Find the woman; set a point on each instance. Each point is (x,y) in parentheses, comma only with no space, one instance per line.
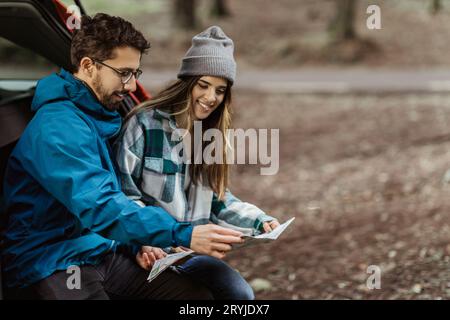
(158,155)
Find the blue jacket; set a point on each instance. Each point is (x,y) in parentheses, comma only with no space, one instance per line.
(63,199)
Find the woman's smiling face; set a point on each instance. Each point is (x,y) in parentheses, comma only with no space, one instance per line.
(207,94)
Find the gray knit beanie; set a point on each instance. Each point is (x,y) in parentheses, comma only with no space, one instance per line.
(211,54)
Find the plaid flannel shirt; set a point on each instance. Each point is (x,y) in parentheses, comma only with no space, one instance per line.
(151,173)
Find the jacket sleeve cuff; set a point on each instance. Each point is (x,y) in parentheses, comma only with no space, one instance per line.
(182,234)
(130,250)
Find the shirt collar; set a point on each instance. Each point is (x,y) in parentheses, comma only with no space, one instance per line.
(160,115)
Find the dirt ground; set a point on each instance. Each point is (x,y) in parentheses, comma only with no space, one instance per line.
(364,175)
(366,178)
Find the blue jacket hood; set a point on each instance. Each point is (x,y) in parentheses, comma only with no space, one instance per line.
(64,86)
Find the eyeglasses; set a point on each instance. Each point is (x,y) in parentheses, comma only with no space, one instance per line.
(125,76)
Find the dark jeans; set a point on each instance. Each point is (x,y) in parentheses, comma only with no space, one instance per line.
(224,282)
(117,277)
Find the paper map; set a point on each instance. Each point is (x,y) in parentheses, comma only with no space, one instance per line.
(162,264)
(264,237)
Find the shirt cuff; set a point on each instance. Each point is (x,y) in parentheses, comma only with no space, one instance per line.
(260,221)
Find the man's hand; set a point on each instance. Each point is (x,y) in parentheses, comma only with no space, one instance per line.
(148,255)
(180,249)
(214,240)
(270,225)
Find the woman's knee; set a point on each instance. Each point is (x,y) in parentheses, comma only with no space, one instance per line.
(224,282)
(229,281)
(240,289)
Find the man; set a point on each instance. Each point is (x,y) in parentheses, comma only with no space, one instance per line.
(63,198)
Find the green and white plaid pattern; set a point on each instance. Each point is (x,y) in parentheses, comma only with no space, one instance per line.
(152,173)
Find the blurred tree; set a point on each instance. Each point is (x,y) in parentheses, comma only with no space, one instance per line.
(436,6)
(184,14)
(342,27)
(219,8)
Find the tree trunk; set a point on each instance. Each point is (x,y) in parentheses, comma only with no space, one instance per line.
(436,6)
(184,14)
(220,9)
(343,25)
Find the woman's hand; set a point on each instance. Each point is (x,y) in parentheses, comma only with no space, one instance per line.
(148,255)
(270,225)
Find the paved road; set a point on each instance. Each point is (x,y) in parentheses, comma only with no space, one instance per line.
(327,81)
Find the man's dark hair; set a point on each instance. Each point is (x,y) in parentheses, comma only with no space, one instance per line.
(100,35)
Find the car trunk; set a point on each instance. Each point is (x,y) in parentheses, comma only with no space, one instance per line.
(40,27)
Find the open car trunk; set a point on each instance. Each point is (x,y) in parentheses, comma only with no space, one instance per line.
(39,26)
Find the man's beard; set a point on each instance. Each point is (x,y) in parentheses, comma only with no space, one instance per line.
(105,98)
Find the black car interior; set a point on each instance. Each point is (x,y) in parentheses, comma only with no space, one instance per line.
(35,25)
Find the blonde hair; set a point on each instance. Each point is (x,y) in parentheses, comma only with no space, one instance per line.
(176,99)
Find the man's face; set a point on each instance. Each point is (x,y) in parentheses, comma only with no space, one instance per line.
(107,83)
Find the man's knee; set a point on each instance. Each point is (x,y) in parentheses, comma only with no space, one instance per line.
(200,292)
(171,285)
(193,290)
